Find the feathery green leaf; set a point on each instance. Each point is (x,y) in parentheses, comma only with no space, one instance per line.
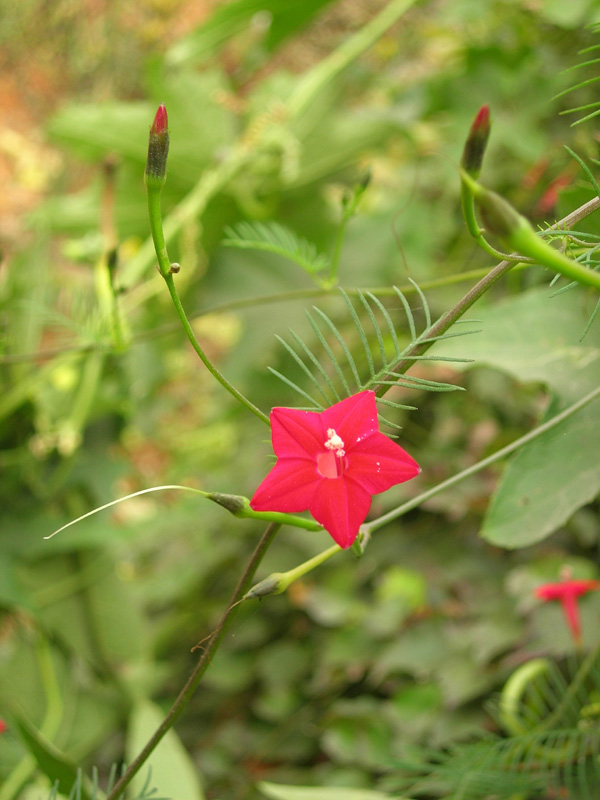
(273,237)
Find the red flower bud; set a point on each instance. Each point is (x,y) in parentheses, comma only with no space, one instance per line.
(158,148)
(475,145)
(161,121)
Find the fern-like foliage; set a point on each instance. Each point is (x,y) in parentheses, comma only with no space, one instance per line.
(555,751)
(584,246)
(563,762)
(591,109)
(85,788)
(275,238)
(361,355)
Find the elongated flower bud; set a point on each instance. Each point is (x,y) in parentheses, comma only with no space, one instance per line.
(475,145)
(158,149)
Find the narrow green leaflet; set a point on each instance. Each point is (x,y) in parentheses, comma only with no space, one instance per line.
(277,791)
(537,339)
(276,238)
(173,772)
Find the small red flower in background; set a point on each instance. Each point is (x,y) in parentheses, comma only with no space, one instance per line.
(3,726)
(331,463)
(567,592)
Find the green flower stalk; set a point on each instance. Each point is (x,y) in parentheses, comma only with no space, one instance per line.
(154,178)
(278,582)
(239,506)
(517,232)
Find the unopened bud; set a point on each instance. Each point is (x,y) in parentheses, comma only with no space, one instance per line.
(475,145)
(158,148)
(274,584)
(234,503)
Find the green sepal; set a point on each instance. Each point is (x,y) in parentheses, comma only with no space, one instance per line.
(239,506)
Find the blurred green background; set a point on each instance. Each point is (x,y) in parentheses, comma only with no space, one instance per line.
(362,662)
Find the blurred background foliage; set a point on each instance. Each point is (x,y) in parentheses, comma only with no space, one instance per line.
(361,663)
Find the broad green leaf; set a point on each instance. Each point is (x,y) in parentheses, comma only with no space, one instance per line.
(547,482)
(11,593)
(82,599)
(537,338)
(198,124)
(54,764)
(173,772)
(93,130)
(281,792)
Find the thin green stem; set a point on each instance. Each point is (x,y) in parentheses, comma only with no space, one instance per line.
(428,338)
(204,358)
(115,315)
(190,208)
(166,271)
(307,566)
(236,504)
(204,661)
(369,527)
(468,208)
(278,582)
(527,242)
(517,231)
(337,249)
(252,302)
(331,66)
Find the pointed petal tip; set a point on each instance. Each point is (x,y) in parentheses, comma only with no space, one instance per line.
(161,120)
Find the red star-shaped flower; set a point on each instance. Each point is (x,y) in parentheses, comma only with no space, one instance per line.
(331,463)
(567,593)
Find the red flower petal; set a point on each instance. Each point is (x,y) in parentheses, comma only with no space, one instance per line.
(568,588)
(353,418)
(340,505)
(290,486)
(161,122)
(378,463)
(296,434)
(302,480)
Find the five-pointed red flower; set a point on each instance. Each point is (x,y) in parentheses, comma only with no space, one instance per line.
(331,463)
(567,592)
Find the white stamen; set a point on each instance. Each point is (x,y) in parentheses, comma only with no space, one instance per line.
(334,442)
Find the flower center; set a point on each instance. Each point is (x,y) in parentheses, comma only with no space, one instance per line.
(332,463)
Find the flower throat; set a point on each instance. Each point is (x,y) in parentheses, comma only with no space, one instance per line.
(332,463)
